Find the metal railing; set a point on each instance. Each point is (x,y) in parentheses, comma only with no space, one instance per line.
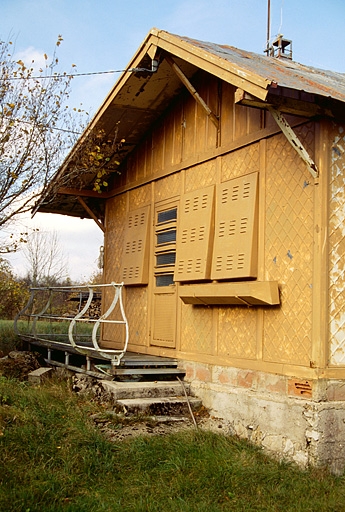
(47,319)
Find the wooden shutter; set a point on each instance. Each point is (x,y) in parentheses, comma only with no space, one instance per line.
(195,236)
(235,241)
(135,259)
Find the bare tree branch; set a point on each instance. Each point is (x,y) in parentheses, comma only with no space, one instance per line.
(47,264)
(36,130)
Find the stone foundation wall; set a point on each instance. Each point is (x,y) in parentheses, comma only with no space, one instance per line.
(299,420)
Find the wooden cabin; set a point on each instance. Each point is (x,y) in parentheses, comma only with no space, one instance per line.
(220,191)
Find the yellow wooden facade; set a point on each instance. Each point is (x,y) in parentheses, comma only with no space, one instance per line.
(230,245)
(298,237)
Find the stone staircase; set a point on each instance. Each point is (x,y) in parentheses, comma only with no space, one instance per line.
(152,386)
(154,398)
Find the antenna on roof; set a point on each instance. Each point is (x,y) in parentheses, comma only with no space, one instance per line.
(280,47)
(267,51)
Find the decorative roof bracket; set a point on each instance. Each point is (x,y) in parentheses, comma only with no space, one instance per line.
(178,71)
(294,140)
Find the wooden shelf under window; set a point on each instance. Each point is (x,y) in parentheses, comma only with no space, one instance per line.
(248,293)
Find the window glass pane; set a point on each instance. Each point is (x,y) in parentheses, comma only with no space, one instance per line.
(167,216)
(166,237)
(165,280)
(166,259)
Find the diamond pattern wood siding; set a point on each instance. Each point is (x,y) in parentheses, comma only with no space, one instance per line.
(235,241)
(200,176)
(135,263)
(337,248)
(137,314)
(238,163)
(113,242)
(116,214)
(289,250)
(237,332)
(197,333)
(167,188)
(195,236)
(139,197)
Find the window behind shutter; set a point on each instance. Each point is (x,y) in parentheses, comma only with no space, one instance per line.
(135,257)
(195,236)
(235,241)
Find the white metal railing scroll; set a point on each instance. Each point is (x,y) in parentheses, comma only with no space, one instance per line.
(44,300)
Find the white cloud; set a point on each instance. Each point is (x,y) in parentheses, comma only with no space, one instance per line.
(32,58)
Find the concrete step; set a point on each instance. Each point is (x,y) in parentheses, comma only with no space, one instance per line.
(171,406)
(130,390)
(132,360)
(118,371)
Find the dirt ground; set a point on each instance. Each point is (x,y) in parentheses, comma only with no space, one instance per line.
(154,425)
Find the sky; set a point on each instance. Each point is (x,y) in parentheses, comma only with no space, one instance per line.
(103,35)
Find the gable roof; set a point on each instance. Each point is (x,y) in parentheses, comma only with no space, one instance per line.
(140,96)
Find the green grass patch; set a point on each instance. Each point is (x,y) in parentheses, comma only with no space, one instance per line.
(8,339)
(53,458)
(56,330)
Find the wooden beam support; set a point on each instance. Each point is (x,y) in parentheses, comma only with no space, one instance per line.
(178,71)
(90,212)
(283,104)
(67,191)
(244,98)
(294,141)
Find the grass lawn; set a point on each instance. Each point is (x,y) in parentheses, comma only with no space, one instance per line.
(54,458)
(8,339)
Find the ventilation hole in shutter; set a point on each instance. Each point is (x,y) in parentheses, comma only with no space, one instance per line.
(180,268)
(235,192)
(219,263)
(202,232)
(243,226)
(246,190)
(240,261)
(198,265)
(224,196)
(230,262)
(184,236)
(232,227)
(221,229)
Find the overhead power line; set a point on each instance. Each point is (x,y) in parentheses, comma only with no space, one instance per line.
(41,125)
(72,75)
